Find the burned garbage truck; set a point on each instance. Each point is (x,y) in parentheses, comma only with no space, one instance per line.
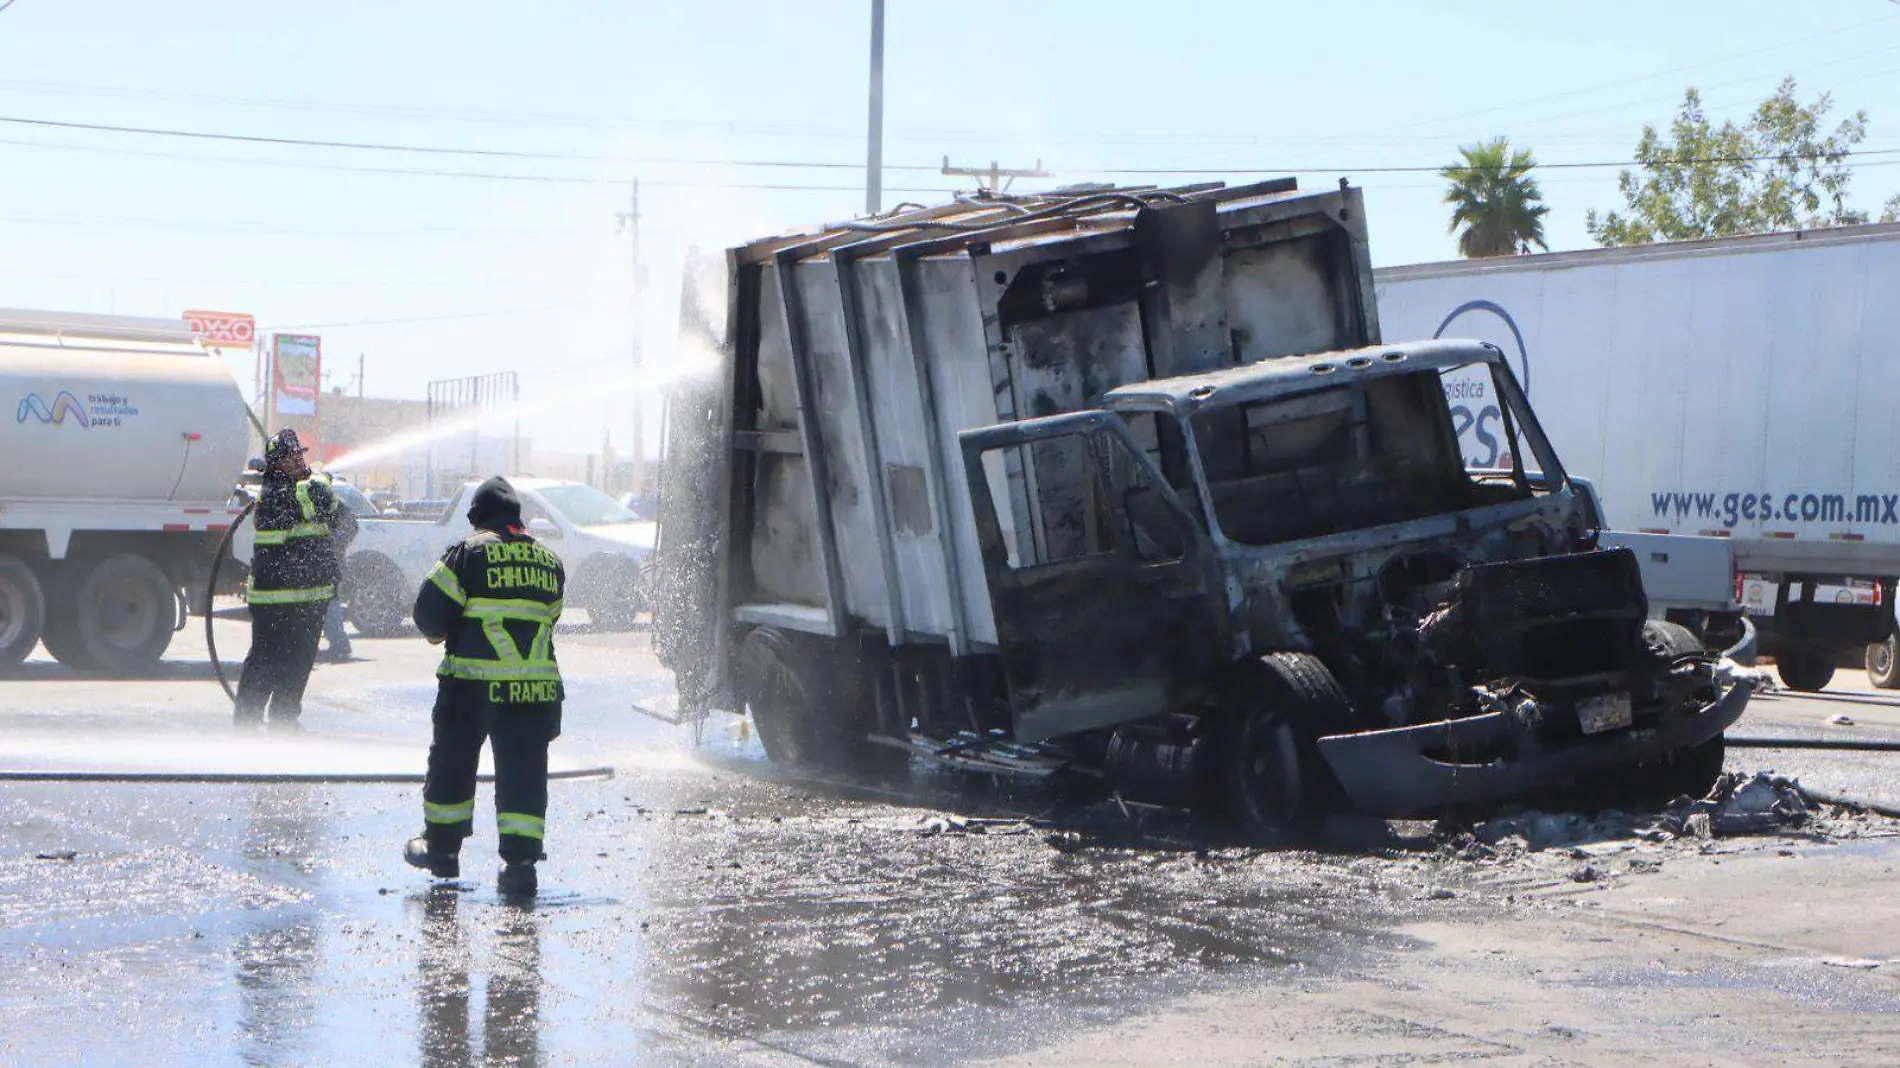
(1123,484)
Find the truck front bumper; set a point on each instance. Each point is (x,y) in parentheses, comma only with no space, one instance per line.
(1388,773)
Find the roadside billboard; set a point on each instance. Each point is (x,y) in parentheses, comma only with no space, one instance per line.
(296,366)
(223,330)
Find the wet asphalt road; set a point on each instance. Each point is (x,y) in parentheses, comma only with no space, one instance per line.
(697,908)
(700,907)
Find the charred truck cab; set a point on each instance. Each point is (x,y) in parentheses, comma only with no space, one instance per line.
(1124,484)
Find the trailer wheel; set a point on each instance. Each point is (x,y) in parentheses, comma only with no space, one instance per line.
(375,596)
(22,611)
(1807,670)
(810,708)
(1274,783)
(1883,663)
(122,615)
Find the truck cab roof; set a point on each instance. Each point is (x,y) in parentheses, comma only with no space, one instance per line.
(1295,374)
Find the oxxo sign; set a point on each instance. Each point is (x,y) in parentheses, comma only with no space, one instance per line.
(223,328)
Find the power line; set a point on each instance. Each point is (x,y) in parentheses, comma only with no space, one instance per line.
(554,179)
(380,283)
(1152,171)
(1659,74)
(538,309)
(7,4)
(246,227)
(1436,167)
(437,150)
(1651,99)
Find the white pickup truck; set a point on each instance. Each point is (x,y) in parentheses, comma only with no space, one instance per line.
(1689,579)
(601,543)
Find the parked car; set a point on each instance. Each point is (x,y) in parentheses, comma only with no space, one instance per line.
(601,543)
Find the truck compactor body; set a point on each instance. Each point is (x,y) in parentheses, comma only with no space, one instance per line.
(1123,485)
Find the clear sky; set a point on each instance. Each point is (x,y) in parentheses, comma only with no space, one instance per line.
(533,276)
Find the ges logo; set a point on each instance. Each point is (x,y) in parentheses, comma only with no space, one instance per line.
(56,413)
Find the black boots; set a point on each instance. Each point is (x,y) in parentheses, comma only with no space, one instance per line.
(517,879)
(441,865)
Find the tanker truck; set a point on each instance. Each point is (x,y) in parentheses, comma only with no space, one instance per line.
(1123,486)
(121,440)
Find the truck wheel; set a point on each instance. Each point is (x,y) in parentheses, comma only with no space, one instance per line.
(1274,783)
(1690,773)
(614,596)
(1807,670)
(1667,641)
(123,615)
(1883,663)
(60,633)
(375,597)
(809,709)
(22,611)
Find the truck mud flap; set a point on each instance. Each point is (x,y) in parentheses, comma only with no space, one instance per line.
(1393,774)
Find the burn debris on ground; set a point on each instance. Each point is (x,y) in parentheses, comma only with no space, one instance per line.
(1759,680)
(1738,804)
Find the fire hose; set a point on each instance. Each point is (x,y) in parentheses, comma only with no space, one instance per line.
(211,591)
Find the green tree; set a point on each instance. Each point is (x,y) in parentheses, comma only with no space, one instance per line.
(1890,211)
(1496,208)
(1777,171)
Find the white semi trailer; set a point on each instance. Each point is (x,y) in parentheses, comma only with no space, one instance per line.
(1741,388)
(121,440)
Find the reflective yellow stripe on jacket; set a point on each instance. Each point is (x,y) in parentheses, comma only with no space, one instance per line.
(301,530)
(464,667)
(303,596)
(444,578)
(304,504)
(509,665)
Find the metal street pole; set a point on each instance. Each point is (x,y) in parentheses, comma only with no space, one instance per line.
(630,223)
(874,165)
(994,173)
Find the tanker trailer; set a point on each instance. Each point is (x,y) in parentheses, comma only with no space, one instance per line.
(122,439)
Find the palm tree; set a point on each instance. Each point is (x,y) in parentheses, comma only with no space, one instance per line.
(1496,208)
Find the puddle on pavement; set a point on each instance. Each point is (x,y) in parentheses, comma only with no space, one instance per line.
(706,904)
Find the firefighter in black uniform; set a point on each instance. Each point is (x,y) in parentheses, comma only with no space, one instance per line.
(294,571)
(493,600)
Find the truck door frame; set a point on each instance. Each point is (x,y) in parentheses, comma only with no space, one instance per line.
(1104,637)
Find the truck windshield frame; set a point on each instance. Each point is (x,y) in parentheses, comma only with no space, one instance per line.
(1354,454)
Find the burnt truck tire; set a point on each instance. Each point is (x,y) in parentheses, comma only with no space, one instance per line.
(1274,784)
(809,704)
(1806,670)
(22,611)
(1667,641)
(375,597)
(121,617)
(1883,663)
(1690,772)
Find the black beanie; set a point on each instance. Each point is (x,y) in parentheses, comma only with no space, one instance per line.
(494,504)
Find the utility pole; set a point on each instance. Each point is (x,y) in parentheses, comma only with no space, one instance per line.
(874,163)
(630,225)
(994,173)
(359,376)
